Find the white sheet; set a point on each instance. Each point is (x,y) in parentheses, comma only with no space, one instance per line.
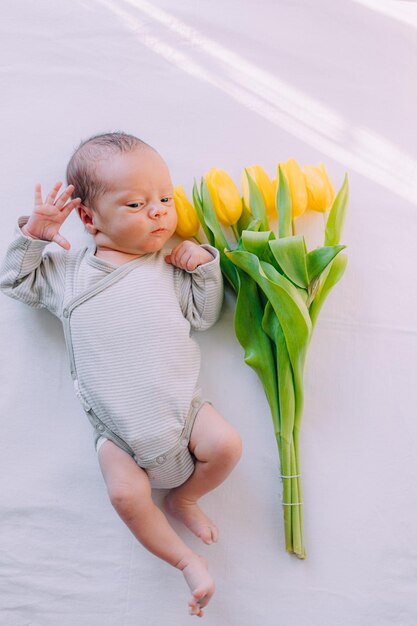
(229,85)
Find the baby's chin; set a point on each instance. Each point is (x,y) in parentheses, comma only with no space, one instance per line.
(154,245)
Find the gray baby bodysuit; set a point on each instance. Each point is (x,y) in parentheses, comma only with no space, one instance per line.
(134,365)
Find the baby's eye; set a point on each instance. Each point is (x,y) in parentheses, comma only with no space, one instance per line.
(167,199)
(134,205)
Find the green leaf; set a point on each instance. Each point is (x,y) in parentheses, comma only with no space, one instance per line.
(256,202)
(257,243)
(198,205)
(272,327)
(335,273)
(258,348)
(284,206)
(335,221)
(254,225)
(318,259)
(288,305)
(245,219)
(290,254)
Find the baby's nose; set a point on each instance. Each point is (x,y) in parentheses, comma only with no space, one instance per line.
(157,209)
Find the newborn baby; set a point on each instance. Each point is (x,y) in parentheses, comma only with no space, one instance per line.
(127,304)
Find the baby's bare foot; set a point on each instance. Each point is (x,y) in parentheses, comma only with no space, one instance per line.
(190,514)
(199,581)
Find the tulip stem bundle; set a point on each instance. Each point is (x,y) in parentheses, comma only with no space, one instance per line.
(280,289)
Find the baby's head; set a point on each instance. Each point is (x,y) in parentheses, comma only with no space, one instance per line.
(127,200)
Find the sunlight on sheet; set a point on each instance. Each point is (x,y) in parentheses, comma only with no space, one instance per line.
(404,11)
(357,148)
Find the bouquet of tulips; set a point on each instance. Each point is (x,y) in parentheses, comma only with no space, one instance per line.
(280,287)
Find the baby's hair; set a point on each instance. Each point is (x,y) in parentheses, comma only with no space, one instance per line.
(82,167)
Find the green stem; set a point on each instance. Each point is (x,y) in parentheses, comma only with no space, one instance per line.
(297,530)
(297,462)
(197,239)
(235,232)
(285,451)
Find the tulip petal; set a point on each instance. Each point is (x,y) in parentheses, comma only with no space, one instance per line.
(220,240)
(188,223)
(335,221)
(225,196)
(327,181)
(319,188)
(298,189)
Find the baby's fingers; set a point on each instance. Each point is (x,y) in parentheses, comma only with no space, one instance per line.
(61,241)
(66,210)
(50,198)
(38,195)
(187,260)
(178,251)
(64,197)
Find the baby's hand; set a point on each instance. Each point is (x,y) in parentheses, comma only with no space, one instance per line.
(48,216)
(188,255)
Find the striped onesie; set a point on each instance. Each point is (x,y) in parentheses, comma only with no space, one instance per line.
(134,364)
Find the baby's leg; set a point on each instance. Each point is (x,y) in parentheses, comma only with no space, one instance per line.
(130,492)
(217,447)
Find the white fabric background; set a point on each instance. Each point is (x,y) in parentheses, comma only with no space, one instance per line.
(226,84)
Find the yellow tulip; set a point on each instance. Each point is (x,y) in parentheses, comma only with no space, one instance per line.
(188,224)
(297,186)
(275,187)
(319,188)
(265,186)
(225,195)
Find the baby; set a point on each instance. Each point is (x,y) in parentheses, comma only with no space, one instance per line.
(127,303)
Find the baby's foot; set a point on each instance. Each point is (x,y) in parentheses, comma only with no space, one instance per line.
(190,514)
(199,581)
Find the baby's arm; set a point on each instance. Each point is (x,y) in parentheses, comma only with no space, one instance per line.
(28,275)
(200,291)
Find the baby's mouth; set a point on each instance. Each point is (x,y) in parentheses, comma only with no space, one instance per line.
(159,230)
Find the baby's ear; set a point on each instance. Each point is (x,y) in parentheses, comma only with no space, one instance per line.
(86,216)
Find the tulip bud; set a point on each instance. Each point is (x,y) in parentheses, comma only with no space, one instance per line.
(297,186)
(319,188)
(225,196)
(188,224)
(265,186)
(275,187)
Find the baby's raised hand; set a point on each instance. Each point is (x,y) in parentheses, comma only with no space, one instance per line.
(48,216)
(188,255)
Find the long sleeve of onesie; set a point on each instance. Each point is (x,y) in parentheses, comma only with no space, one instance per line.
(133,361)
(201,291)
(28,275)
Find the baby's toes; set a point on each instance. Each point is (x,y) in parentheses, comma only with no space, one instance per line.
(209,534)
(201,598)
(206,534)
(214,533)
(196,611)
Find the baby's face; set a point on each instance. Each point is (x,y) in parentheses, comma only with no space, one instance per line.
(138,215)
